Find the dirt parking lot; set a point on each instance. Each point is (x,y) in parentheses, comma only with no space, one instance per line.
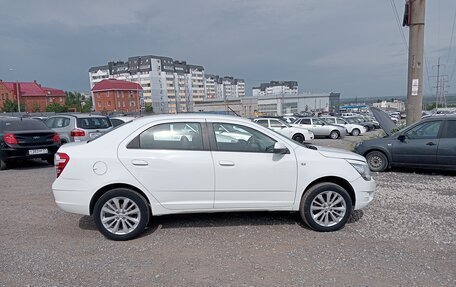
(407,236)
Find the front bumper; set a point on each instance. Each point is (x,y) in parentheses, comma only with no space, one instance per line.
(364,192)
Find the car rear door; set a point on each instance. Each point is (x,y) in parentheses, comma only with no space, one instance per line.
(446,151)
(173,161)
(420,145)
(248,174)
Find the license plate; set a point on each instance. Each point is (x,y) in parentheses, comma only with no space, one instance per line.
(94,135)
(38,151)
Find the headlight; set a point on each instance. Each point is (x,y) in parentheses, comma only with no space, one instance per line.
(358,144)
(362,168)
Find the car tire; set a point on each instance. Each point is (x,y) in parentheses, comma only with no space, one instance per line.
(299,138)
(325,207)
(50,160)
(3,165)
(121,214)
(355,132)
(334,135)
(367,128)
(377,161)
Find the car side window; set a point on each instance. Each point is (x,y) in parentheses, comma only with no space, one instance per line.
(116,122)
(330,120)
(50,123)
(427,130)
(180,136)
(263,123)
(305,121)
(450,131)
(240,138)
(60,122)
(275,124)
(318,122)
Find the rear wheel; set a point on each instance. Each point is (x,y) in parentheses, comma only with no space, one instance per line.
(3,165)
(325,207)
(334,135)
(355,132)
(299,138)
(377,161)
(121,214)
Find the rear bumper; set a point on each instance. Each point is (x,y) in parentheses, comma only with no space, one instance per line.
(74,201)
(20,153)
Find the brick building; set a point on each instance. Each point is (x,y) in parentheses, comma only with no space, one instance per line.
(117,96)
(33,96)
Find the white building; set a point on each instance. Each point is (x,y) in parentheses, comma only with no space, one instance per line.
(276,88)
(395,105)
(170,86)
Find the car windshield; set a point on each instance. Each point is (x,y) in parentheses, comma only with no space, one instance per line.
(23,125)
(94,123)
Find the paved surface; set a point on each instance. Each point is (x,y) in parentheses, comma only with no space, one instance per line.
(406,237)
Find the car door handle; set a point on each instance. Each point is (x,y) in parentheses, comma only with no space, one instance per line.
(430,143)
(139,162)
(226,163)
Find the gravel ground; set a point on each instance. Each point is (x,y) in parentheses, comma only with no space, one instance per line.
(407,236)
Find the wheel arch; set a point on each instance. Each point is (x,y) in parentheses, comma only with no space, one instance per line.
(109,187)
(336,180)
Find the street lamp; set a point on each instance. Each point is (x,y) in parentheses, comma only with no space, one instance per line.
(17,91)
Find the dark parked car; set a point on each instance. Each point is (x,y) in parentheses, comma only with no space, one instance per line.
(26,139)
(430,143)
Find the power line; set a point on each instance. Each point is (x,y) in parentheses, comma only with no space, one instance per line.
(398,22)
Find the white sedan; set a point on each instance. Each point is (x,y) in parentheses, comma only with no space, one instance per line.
(295,133)
(134,172)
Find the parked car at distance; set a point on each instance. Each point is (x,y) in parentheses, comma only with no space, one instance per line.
(295,133)
(353,129)
(430,143)
(126,176)
(78,127)
(359,121)
(117,121)
(320,128)
(22,139)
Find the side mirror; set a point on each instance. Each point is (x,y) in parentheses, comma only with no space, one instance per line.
(280,148)
(401,138)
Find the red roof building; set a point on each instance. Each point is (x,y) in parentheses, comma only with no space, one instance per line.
(32,95)
(117,96)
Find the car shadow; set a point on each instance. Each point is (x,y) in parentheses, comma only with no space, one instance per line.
(223,219)
(28,164)
(424,171)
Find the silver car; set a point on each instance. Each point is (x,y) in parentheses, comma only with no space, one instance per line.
(79,127)
(320,128)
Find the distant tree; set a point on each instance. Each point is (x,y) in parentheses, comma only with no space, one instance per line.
(56,108)
(148,108)
(36,108)
(11,106)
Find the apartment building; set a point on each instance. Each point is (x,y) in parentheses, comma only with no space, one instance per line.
(276,88)
(171,86)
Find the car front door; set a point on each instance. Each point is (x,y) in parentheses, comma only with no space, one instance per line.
(320,127)
(174,163)
(446,152)
(419,145)
(248,174)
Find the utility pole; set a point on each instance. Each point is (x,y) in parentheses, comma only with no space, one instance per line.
(414,18)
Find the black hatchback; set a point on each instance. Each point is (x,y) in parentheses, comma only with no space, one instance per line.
(26,139)
(430,143)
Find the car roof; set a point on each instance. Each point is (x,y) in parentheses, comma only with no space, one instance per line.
(184,116)
(80,115)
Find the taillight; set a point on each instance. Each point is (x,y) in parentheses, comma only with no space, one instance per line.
(56,138)
(60,160)
(9,138)
(77,133)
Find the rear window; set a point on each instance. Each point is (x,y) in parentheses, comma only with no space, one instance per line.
(94,123)
(22,125)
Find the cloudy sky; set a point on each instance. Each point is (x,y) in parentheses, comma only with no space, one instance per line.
(350,46)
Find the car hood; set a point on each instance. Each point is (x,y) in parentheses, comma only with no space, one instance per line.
(385,122)
(338,153)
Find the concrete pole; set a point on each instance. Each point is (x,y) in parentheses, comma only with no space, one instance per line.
(415,61)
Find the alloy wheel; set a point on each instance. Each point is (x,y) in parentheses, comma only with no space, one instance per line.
(328,208)
(120,215)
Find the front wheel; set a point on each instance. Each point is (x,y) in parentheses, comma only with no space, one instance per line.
(377,161)
(299,138)
(355,132)
(334,135)
(325,207)
(121,214)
